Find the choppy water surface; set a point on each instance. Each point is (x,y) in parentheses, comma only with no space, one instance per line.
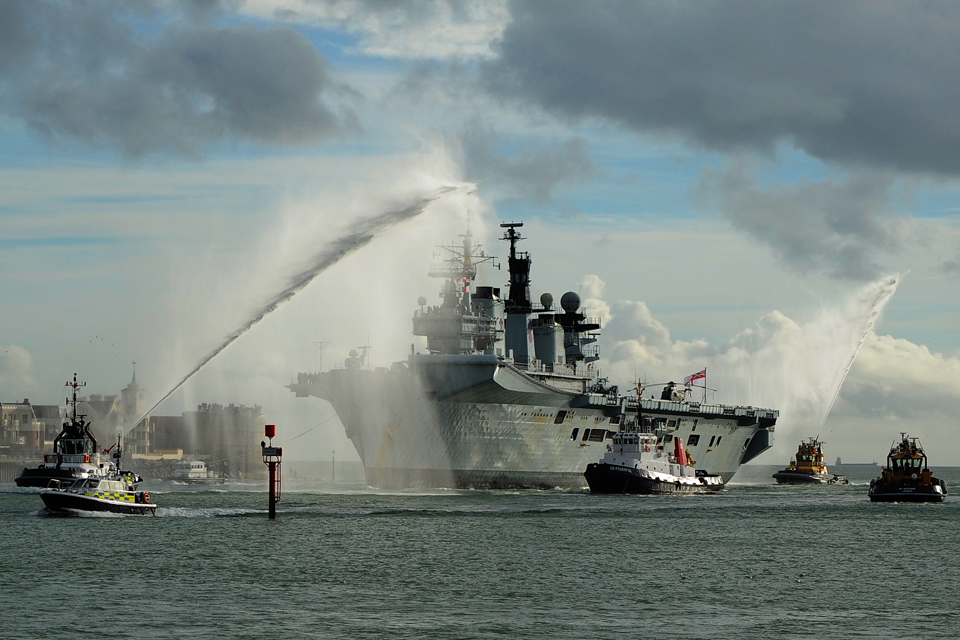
(756,561)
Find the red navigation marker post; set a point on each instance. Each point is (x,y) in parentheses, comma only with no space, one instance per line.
(271,458)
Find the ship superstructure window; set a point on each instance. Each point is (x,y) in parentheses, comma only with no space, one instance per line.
(694,427)
(573,434)
(712,438)
(561,416)
(614,419)
(668,437)
(719,438)
(693,440)
(586,434)
(597,435)
(671,424)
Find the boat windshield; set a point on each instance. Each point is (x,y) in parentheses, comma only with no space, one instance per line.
(908,464)
(86,483)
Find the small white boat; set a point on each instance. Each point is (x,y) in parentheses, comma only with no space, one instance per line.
(195,472)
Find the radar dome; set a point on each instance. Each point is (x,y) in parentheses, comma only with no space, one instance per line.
(546,299)
(421,301)
(570,302)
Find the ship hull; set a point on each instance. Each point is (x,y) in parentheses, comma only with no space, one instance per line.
(797,477)
(925,493)
(66,502)
(42,477)
(476,422)
(611,479)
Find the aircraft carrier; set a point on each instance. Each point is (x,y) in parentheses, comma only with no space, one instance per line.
(507,395)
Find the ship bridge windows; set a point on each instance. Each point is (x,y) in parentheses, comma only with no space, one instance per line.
(561,416)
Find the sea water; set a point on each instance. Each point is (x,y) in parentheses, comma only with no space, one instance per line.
(757,560)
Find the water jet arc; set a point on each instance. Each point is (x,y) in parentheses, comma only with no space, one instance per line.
(357,235)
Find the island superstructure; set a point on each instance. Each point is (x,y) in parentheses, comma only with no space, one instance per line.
(508,395)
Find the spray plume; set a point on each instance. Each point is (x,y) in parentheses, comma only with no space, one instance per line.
(356,237)
(876,298)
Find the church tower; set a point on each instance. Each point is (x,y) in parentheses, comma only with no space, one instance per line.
(132,404)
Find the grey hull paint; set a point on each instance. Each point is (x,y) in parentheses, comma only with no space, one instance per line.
(475,421)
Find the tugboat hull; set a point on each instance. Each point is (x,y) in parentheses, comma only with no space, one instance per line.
(607,478)
(66,501)
(926,493)
(41,477)
(795,477)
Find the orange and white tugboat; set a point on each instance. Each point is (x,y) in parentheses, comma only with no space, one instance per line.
(906,477)
(808,467)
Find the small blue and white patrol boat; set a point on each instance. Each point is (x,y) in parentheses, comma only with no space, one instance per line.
(114,493)
(637,463)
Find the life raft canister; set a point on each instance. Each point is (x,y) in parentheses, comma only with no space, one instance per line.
(146,498)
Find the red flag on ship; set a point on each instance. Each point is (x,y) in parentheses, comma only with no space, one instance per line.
(699,375)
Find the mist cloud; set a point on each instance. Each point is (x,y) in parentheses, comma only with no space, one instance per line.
(839,228)
(533,170)
(125,76)
(872,83)
(16,367)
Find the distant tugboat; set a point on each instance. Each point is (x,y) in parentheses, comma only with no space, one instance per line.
(637,463)
(808,467)
(906,478)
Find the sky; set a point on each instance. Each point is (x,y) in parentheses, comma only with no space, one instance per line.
(767,190)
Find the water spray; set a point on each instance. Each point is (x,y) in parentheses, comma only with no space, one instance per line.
(357,236)
(877,302)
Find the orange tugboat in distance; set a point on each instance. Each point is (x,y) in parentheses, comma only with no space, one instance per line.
(906,477)
(808,467)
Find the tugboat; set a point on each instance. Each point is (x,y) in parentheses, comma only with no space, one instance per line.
(808,467)
(75,453)
(115,493)
(906,477)
(636,463)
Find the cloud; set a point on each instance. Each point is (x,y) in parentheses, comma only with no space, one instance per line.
(16,368)
(840,228)
(95,74)
(414,29)
(895,378)
(532,170)
(951,267)
(780,363)
(866,82)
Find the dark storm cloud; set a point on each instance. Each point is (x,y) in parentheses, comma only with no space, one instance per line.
(839,228)
(951,267)
(867,82)
(125,76)
(533,170)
